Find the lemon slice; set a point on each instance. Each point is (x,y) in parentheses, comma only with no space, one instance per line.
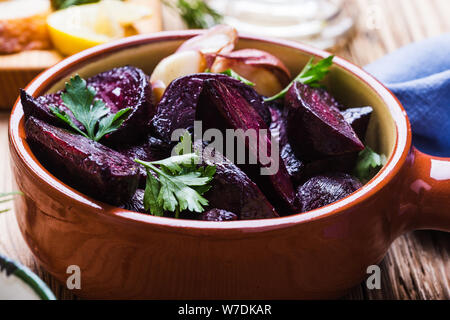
(80,27)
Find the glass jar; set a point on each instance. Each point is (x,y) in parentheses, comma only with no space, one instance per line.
(321,23)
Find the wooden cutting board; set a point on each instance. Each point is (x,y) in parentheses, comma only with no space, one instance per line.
(17,70)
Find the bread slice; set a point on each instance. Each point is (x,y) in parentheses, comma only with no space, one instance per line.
(23,25)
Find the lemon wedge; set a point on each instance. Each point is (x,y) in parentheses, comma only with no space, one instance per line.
(80,27)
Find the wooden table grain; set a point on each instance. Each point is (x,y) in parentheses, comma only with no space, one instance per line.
(417,265)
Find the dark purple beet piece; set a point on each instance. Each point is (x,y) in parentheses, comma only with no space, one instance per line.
(222,107)
(278,126)
(38,108)
(329,100)
(126,87)
(315,128)
(341,163)
(299,170)
(119,88)
(294,166)
(359,119)
(177,107)
(87,165)
(232,190)
(325,189)
(219,215)
(136,203)
(151,149)
(176,110)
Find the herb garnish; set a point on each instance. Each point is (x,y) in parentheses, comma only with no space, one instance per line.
(368,164)
(179,183)
(311,75)
(197,14)
(92,113)
(233,74)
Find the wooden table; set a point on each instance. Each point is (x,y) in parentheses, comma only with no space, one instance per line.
(417,266)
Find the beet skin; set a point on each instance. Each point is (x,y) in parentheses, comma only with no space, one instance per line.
(325,189)
(219,215)
(232,190)
(315,127)
(136,203)
(359,119)
(223,107)
(119,88)
(294,166)
(151,149)
(87,165)
(178,105)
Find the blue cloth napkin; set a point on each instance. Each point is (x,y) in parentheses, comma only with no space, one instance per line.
(419,75)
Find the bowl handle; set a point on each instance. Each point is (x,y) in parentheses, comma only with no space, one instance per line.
(428,190)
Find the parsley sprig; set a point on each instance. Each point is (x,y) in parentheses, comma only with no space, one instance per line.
(176,183)
(233,74)
(311,74)
(368,164)
(92,113)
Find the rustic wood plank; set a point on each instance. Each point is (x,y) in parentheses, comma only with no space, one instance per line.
(417,266)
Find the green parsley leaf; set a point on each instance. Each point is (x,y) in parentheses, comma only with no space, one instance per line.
(234,75)
(311,74)
(175,164)
(197,14)
(92,113)
(152,188)
(231,73)
(179,183)
(368,164)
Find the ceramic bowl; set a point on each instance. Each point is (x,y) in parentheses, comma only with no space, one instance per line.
(318,254)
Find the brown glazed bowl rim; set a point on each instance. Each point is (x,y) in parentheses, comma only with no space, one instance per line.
(44,80)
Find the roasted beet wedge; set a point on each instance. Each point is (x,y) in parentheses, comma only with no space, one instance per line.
(126,87)
(359,119)
(119,88)
(151,149)
(219,215)
(299,169)
(176,110)
(329,100)
(315,128)
(278,125)
(136,203)
(294,166)
(232,189)
(223,107)
(39,108)
(325,189)
(342,163)
(87,165)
